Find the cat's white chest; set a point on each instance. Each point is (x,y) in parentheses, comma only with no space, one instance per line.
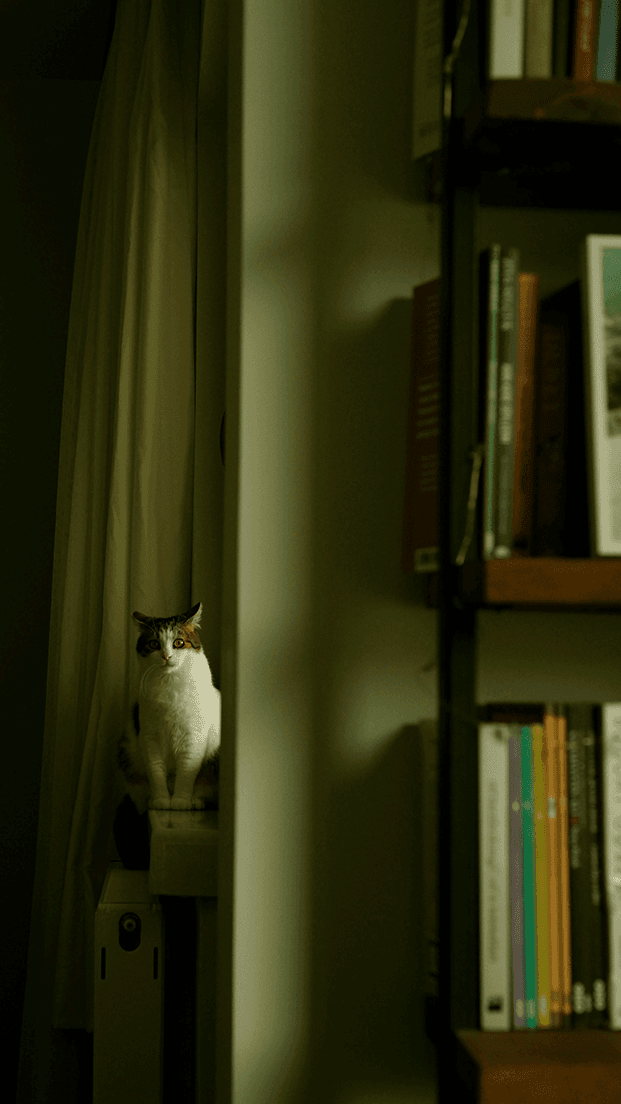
(181,707)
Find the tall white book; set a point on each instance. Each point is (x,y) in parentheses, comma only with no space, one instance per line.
(611,793)
(506,39)
(494,900)
(602,348)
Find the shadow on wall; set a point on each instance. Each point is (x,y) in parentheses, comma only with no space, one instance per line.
(363,438)
(369,1007)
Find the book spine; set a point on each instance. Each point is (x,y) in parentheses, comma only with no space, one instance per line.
(541,881)
(578,726)
(507,366)
(597,1016)
(506,39)
(549,505)
(607,40)
(495,990)
(602,340)
(611,779)
(490,286)
(550,740)
(563,43)
(565,909)
(516,887)
(584,40)
(524,466)
(420,516)
(530,918)
(538,38)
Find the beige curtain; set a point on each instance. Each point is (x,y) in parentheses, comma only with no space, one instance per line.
(140,478)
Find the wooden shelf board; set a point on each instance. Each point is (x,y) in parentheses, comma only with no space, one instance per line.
(567,1066)
(545,582)
(547,100)
(528,142)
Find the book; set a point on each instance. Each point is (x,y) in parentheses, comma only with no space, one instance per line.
(602,318)
(560,507)
(611,790)
(541,878)
(588,920)
(427,74)
(538,38)
(564,884)
(553,842)
(506,39)
(489,276)
(420,518)
(494,902)
(584,40)
(550,480)
(516,877)
(530,915)
(507,369)
(598,1014)
(607,40)
(563,39)
(524,463)
(577,729)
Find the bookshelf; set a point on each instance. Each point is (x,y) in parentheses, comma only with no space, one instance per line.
(507,144)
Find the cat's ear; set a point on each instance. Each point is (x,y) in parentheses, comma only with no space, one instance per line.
(141,618)
(194,616)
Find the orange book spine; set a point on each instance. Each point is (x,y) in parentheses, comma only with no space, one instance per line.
(523,475)
(584,40)
(565,941)
(550,763)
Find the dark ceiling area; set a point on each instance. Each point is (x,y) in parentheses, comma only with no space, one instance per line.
(55,39)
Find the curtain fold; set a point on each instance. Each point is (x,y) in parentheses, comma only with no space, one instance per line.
(127,509)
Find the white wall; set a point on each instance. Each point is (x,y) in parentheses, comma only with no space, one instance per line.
(325,643)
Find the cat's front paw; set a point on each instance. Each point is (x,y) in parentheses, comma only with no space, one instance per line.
(187,803)
(160,803)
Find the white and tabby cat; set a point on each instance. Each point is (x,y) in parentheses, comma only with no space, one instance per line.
(169,750)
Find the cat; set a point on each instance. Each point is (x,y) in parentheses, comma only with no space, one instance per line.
(169,750)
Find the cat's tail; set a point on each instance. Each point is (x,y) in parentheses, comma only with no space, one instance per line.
(131,765)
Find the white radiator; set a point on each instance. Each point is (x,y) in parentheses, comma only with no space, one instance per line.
(141,1043)
(129,1006)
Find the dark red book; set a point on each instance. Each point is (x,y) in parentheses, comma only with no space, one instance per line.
(523,485)
(560,515)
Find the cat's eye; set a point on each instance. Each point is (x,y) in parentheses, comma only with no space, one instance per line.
(179,643)
(153,644)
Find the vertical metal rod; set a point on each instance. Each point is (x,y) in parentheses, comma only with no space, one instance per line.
(458,838)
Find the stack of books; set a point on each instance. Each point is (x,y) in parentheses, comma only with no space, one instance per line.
(573,39)
(549,861)
(554,38)
(550,403)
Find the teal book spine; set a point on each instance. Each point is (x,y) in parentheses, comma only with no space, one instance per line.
(530,918)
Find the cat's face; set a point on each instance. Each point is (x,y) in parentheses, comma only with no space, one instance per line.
(167,642)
